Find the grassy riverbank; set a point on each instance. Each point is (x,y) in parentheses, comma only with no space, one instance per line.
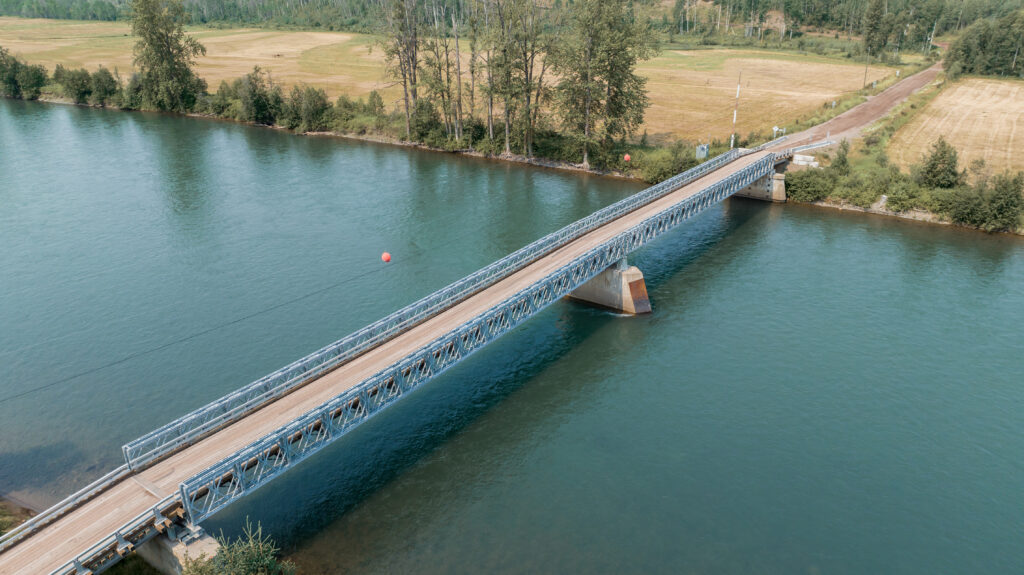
(962,179)
(12,515)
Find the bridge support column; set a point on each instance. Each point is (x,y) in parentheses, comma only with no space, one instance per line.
(771,188)
(620,287)
(167,555)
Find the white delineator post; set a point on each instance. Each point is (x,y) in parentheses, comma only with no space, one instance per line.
(732,137)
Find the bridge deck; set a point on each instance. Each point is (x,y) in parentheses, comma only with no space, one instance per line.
(62,540)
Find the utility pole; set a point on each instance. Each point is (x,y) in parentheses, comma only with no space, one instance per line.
(867,59)
(732,137)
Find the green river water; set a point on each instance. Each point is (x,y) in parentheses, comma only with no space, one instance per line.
(815,392)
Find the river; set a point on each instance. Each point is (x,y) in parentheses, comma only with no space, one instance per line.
(815,392)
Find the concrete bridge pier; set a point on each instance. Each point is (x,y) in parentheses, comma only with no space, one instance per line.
(770,188)
(620,287)
(167,555)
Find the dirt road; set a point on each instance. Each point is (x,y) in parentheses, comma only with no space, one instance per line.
(849,124)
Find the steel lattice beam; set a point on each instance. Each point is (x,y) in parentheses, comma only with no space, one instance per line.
(202,422)
(265,459)
(254,466)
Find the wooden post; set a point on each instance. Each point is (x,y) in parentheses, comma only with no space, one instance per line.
(867,59)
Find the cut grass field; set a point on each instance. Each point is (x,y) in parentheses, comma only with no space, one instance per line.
(982,118)
(692,91)
(335,61)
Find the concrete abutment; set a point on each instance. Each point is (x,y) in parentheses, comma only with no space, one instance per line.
(620,287)
(770,188)
(167,555)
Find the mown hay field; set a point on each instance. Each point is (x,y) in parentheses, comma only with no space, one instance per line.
(335,61)
(692,92)
(982,118)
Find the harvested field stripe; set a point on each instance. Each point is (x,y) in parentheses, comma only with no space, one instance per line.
(978,116)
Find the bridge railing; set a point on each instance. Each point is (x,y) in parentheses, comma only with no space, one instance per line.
(253,466)
(217,486)
(232,407)
(60,509)
(768,144)
(115,546)
(790,152)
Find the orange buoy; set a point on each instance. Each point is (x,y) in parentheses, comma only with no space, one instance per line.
(626,157)
(385,257)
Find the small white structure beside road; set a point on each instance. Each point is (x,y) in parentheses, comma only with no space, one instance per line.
(800,160)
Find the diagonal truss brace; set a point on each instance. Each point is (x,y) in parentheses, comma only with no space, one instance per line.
(254,466)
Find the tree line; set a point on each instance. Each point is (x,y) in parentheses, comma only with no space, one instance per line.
(20,80)
(884,29)
(63,9)
(989,47)
(357,15)
(909,21)
(497,76)
(529,67)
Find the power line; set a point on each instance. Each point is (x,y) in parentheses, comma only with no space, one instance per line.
(222,325)
(185,339)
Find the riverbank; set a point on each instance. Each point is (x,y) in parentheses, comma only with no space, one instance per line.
(51,98)
(938,187)
(12,514)
(511,158)
(366,121)
(877,207)
(916,215)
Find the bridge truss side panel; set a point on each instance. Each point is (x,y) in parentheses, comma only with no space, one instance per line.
(218,414)
(265,459)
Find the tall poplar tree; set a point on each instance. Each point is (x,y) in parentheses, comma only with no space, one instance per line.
(401,19)
(165,54)
(600,95)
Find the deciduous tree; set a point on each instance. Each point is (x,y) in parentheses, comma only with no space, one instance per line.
(165,55)
(940,166)
(600,95)
(400,26)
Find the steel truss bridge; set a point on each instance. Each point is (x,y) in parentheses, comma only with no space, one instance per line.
(184,472)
